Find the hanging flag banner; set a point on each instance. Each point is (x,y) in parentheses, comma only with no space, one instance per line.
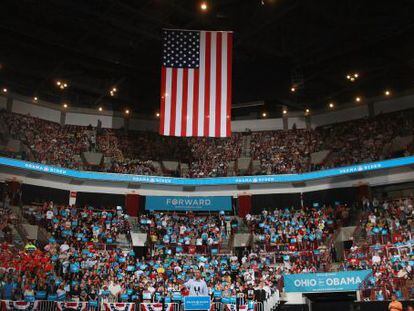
(71,306)
(118,306)
(325,282)
(202,204)
(19,305)
(157,306)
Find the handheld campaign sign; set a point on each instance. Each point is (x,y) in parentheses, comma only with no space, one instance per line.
(325,282)
(197,303)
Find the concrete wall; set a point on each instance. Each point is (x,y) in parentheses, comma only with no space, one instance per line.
(257,125)
(83,119)
(3,102)
(241,239)
(31,230)
(339,116)
(394,104)
(37,111)
(138,239)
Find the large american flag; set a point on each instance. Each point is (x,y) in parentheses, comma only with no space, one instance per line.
(196,83)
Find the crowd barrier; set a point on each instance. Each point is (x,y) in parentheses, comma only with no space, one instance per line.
(45,305)
(271,302)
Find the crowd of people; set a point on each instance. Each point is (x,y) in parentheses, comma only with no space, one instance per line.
(301,237)
(304,228)
(284,152)
(81,260)
(48,142)
(88,275)
(386,246)
(79,227)
(279,152)
(185,233)
(367,140)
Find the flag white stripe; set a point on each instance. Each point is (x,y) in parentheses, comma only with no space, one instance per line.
(223,108)
(167,118)
(190,91)
(179,102)
(213,58)
(202,70)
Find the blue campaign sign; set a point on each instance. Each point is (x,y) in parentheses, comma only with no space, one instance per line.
(217,181)
(325,282)
(167,203)
(197,303)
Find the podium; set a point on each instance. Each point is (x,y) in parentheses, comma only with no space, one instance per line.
(197,303)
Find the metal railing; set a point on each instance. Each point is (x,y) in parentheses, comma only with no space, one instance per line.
(46,305)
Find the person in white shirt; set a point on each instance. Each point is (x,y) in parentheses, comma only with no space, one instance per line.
(197,286)
(114,288)
(376,259)
(64,248)
(49,215)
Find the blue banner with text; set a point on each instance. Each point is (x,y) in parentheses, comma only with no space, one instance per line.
(325,282)
(208,181)
(197,303)
(202,204)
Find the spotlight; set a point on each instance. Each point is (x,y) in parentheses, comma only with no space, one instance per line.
(331,105)
(113,91)
(292,89)
(284,111)
(61,84)
(35,99)
(4,90)
(157,114)
(100,109)
(126,111)
(65,105)
(357,99)
(264,114)
(352,77)
(307,110)
(203,6)
(387,93)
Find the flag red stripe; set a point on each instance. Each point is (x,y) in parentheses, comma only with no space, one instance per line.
(173,101)
(218,84)
(195,102)
(207,85)
(162,110)
(229,80)
(184,105)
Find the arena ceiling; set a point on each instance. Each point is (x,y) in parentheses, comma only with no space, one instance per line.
(95,45)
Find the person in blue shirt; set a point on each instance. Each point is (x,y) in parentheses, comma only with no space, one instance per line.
(7,290)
